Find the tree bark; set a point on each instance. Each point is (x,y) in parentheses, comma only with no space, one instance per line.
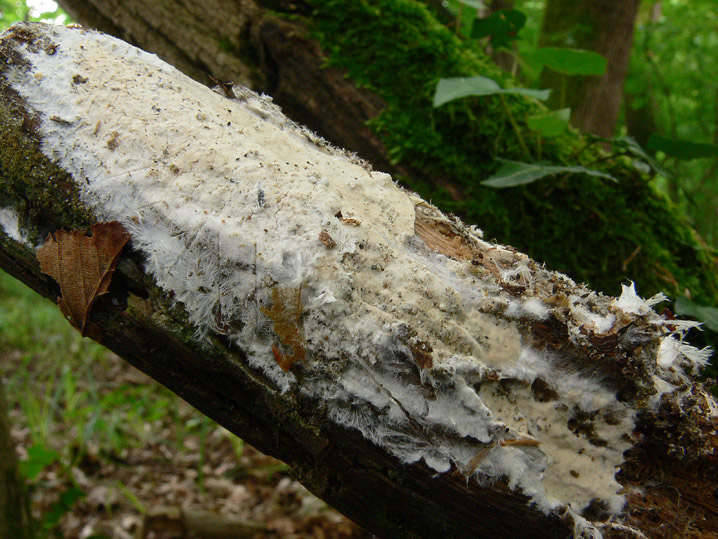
(602,26)
(14,508)
(641,117)
(421,380)
(362,74)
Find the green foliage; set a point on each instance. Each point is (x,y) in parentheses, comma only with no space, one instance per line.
(53,383)
(466,12)
(67,499)
(671,83)
(39,457)
(702,313)
(12,11)
(628,146)
(681,149)
(571,61)
(502,27)
(513,173)
(550,124)
(598,232)
(458,87)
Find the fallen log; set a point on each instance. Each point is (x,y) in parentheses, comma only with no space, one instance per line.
(362,74)
(420,379)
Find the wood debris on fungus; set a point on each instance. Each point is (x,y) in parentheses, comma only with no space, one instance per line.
(286,314)
(327,240)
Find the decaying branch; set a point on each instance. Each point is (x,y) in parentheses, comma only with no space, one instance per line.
(420,379)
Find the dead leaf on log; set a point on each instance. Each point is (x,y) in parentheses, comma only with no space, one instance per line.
(286,313)
(82,265)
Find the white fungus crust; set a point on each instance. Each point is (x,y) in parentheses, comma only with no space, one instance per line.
(240,213)
(10,225)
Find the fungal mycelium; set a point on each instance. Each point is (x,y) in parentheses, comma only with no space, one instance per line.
(338,284)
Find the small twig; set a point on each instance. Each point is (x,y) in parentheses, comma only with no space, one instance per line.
(630,258)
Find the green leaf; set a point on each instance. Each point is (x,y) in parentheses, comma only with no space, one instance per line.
(39,458)
(456,88)
(707,315)
(466,11)
(681,149)
(631,146)
(550,124)
(503,26)
(572,61)
(475,4)
(61,507)
(513,173)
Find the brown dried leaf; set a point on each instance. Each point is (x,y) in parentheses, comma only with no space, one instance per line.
(82,265)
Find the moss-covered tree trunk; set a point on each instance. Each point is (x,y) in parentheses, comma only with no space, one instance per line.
(603,26)
(14,508)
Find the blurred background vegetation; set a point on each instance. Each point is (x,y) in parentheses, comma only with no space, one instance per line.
(670,89)
(79,411)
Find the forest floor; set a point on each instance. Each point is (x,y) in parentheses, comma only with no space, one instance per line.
(109,453)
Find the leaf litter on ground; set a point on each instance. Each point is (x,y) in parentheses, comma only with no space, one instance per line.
(131,446)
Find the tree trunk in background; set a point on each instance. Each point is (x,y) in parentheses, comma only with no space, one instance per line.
(640,114)
(640,109)
(603,26)
(14,508)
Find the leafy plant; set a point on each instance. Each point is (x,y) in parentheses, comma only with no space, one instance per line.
(513,173)
(63,505)
(502,27)
(550,124)
(572,61)
(40,458)
(672,92)
(458,87)
(681,149)
(569,62)
(705,314)
(465,12)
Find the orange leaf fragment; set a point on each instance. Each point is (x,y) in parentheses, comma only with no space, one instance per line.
(83,266)
(286,313)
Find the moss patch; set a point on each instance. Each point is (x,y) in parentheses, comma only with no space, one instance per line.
(44,196)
